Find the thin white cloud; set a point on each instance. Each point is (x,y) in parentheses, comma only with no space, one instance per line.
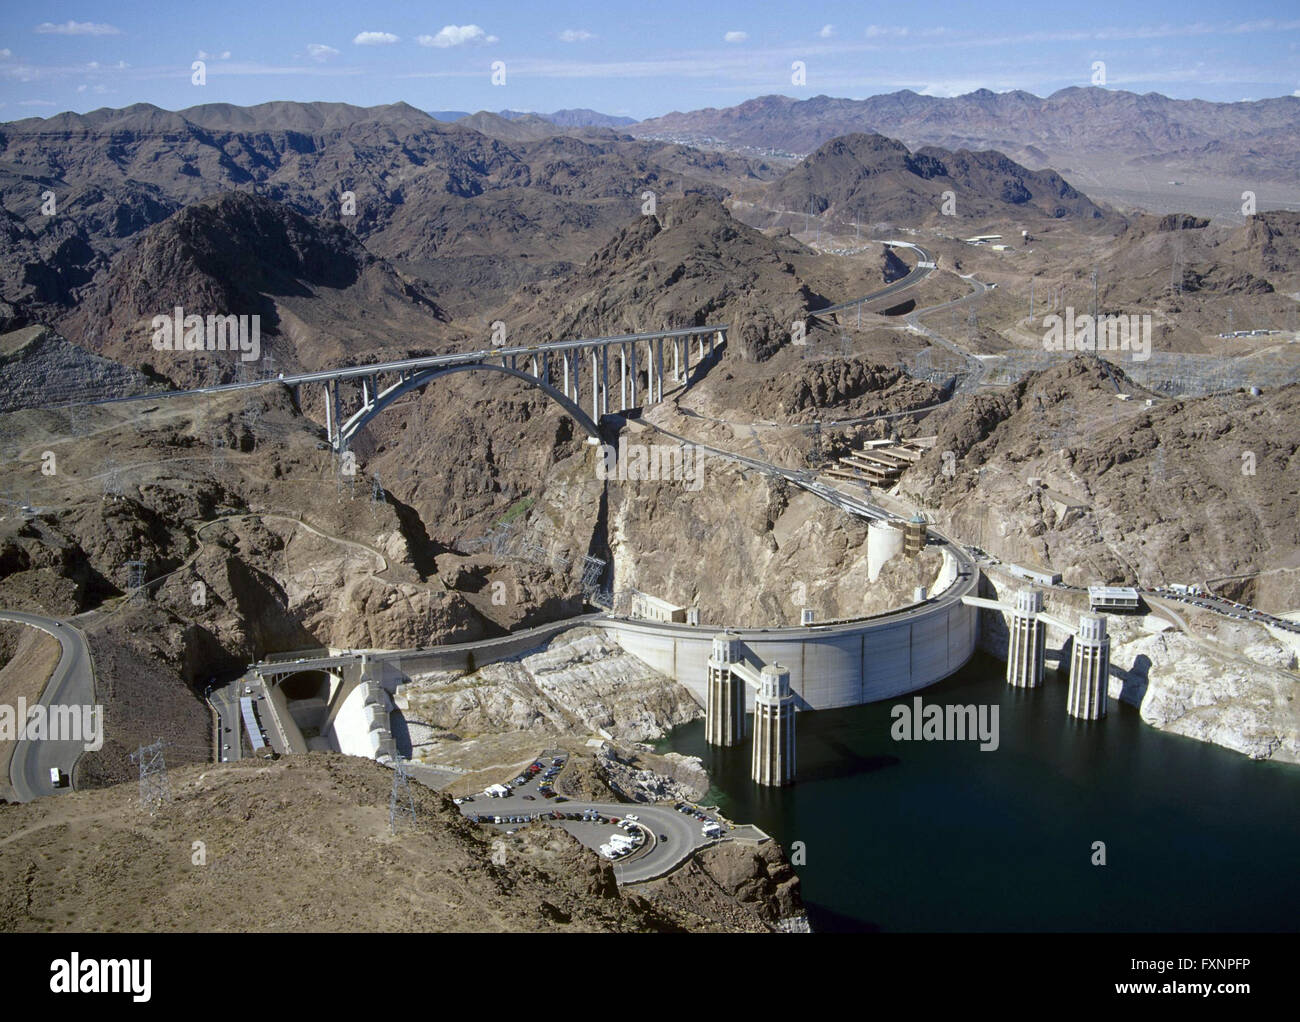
(205,55)
(319,51)
(827,31)
(735,37)
(374,39)
(576,35)
(891,31)
(77,28)
(457,35)
(37,102)
(5,54)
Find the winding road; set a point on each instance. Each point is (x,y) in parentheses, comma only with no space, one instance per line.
(71,684)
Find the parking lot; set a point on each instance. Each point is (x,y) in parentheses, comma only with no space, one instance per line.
(659,836)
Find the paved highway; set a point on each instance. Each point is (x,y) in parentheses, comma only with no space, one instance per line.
(924,264)
(72,684)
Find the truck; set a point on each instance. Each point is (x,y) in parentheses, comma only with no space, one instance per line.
(58,778)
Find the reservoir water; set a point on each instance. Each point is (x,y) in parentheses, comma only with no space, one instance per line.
(939,836)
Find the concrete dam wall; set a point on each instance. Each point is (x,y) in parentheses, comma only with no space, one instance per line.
(830,665)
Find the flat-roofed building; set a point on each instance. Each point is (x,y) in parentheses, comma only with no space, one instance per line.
(651,608)
(1113,597)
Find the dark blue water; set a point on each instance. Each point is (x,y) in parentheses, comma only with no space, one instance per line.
(938,836)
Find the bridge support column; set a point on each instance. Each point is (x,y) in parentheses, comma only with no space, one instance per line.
(650,372)
(677,365)
(1027,646)
(772,763)
(658,394)
(1089,669)
(329,412)
(724,712)
(604,379)
(686,359)
(632,355)
(595,388)
(622,377)
(565,356)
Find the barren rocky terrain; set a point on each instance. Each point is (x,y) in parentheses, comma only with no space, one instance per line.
(1125,493)
(475,501)
(282,834)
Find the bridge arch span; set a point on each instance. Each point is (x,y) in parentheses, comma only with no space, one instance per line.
(423,378)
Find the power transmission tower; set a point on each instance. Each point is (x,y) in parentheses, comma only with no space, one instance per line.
(112,480)
(401,802)
(814,455)
(531,551)
(155,792)
(135,580)
(218,448)
(592,569)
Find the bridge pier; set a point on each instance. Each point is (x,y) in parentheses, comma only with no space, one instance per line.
(604,380)
(724,712)
(772,763)
(329,413)
(1027,647)
(1089,669)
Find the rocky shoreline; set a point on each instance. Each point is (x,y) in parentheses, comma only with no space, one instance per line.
(1239,695)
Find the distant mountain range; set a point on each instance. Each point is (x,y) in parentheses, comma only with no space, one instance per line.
(1075,127)
(579,118)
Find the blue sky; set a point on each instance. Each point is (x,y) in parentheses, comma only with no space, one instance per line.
(638,59)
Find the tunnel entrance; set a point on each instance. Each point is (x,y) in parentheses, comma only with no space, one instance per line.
(307,685)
